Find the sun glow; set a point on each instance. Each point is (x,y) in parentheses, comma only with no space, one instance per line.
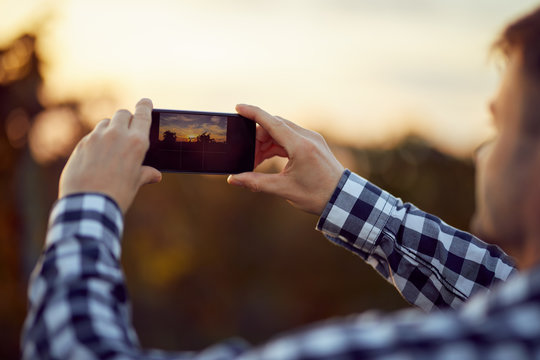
(361,72)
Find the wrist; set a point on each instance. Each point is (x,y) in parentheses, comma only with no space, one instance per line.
(333,184)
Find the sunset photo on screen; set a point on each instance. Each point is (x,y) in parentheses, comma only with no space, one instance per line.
(183,128)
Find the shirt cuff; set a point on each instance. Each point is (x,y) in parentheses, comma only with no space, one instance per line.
(88,215)
(356,213)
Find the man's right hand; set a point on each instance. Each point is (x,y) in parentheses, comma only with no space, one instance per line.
(109,159)
(310,176)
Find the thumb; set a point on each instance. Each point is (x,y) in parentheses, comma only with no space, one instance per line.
(149,175)
(257,182)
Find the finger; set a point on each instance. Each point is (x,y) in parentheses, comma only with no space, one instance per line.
(149,175)
(261,134)
(268,154)
(102,125)
(296,127)
(309,134)
(259,182)
(121,119)
(263,139)
(143,116)
(277,128)
(263,146)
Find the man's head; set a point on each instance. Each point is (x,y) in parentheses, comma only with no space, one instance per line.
(523,35)
(508,180)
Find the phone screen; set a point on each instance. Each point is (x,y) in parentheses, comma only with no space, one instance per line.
(201,142)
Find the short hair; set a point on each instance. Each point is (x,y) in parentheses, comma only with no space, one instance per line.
(523,35)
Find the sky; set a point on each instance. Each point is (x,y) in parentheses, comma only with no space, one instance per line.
(187,128)
(362,72)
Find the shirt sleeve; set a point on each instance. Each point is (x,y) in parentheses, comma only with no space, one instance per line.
(78,302)
(432,264)
(79,309)
(503,324)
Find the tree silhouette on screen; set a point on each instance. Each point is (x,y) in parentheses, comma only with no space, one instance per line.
(169,137)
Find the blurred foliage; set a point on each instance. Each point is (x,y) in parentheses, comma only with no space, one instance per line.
(19,80)
(205,260)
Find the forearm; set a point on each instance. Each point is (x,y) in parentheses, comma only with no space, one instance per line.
(77,296)
(78,301)
(432,264)
(79,306)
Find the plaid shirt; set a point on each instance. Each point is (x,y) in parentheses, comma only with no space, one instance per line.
(79,307)
(432,264)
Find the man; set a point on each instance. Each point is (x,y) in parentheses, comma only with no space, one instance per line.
(78,303)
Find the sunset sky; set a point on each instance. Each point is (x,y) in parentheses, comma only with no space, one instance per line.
(189,127)
(362,72)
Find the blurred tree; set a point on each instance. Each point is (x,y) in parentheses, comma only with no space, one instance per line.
(29,187)
(20,80)
(416,171)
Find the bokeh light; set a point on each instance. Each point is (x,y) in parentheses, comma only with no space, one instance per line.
(54,134)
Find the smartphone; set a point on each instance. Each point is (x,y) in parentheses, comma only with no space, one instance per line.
(201,142)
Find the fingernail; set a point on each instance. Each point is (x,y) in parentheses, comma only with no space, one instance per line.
(234,181)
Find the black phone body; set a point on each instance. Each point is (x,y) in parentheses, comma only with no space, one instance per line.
(201,142)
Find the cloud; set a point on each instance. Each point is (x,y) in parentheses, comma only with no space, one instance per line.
(193,125)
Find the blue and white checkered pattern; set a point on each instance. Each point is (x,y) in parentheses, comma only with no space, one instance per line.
(79,308)
(432,264)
